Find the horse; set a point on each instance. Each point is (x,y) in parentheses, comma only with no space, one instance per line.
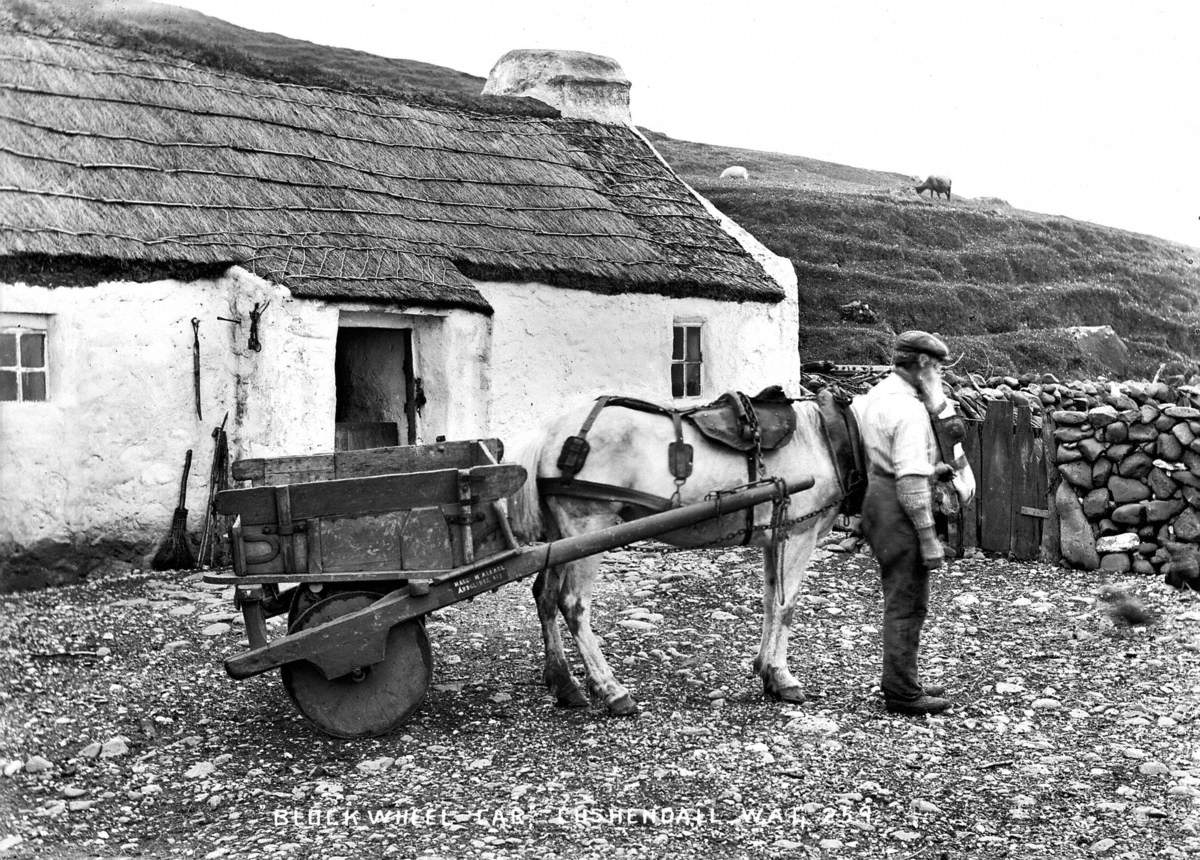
(628,449)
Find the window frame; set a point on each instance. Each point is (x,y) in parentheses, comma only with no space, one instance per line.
(19,325)
(687,360)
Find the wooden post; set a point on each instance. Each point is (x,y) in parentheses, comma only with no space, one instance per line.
(995,526)
(1026,525)
(1051,549)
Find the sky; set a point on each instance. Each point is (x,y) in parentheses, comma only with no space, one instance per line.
(1084,109)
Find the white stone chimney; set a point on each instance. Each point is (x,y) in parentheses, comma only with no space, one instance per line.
(580,85)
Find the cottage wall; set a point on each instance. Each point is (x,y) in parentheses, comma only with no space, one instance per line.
(98,463)
(101,457)
(553,348)
(95,468)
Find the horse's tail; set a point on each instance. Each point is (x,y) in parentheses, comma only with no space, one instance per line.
(525,506)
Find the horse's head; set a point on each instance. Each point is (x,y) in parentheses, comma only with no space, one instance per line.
(951,430)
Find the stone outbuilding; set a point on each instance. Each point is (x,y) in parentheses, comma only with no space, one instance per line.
(360,271)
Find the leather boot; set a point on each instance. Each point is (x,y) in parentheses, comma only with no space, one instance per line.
(919,706)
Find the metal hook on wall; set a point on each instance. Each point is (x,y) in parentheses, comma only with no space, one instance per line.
(255,314)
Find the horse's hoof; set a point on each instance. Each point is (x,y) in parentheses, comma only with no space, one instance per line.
(794,695)
(571,699)
(623,706)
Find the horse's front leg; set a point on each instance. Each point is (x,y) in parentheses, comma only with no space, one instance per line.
(575,603)
(772,664)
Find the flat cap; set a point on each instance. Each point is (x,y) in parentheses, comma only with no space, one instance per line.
(922,341)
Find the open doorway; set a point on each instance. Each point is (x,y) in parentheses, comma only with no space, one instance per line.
(377,394)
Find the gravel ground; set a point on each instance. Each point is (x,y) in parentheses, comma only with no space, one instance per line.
(1073,734)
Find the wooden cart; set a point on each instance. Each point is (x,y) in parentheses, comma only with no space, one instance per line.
(358,547)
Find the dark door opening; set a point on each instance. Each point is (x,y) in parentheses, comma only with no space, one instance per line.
(376,391)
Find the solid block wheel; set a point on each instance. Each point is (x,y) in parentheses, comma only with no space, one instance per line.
(370,700)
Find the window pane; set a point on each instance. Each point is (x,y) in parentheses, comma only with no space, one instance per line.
(677,346)
(8,385)
(677,379)
(693,343)
(33,349)
(693,379)
(33,385)
(8,348)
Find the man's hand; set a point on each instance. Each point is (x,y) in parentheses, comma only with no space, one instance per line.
(943,472)
(932,553)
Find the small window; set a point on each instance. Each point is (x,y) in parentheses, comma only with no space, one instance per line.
(686,360)
(22,363)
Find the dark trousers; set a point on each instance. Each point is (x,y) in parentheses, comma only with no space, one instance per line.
(905,586)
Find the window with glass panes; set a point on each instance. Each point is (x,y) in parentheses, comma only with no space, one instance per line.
(686,359)
(22,364)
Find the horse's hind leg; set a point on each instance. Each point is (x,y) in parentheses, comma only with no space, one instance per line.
(556,673)
(575,603)
(778,682)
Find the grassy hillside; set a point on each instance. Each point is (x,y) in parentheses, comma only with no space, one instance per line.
(189,35)
(1000,283)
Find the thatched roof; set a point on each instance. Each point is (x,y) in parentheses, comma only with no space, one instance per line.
(126,157)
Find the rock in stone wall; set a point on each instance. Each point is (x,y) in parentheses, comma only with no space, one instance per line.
(1129,455)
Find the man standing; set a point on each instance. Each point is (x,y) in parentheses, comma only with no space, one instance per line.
(897,519)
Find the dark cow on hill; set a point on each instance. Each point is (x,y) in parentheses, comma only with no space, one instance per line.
(935,185)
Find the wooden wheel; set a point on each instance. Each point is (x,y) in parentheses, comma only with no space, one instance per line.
(370,700)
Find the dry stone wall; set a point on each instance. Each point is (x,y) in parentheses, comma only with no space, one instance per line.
(1128,456)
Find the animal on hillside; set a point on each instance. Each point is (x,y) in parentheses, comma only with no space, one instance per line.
(735,172)
(935,185)
(629,449)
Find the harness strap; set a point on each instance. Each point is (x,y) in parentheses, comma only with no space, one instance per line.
(604,493)
(575,448)
(601,402)
(754,464)
(679,458)
(752,468)
(645,405)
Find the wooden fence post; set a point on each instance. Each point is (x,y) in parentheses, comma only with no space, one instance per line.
(1027,500)
(1051,549)
(995,521)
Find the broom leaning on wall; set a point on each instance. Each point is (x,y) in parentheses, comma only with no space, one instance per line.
(175,553)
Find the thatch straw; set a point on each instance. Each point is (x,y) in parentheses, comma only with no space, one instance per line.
(112,155)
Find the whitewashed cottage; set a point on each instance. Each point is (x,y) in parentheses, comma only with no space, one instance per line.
(418,271)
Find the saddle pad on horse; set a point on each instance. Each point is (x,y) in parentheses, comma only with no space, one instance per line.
(765,421)
(840,430)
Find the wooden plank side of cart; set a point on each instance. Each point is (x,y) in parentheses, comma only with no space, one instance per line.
(454,454)
(359,638)
(348,497)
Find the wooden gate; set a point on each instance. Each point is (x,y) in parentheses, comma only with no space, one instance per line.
(1010,510)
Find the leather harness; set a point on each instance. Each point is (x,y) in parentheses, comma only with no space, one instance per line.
(749,425)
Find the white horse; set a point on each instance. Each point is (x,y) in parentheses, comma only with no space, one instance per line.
(628,449)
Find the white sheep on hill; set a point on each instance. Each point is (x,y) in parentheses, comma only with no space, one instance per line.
(735,172)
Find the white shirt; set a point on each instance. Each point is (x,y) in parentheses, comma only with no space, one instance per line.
(895,428)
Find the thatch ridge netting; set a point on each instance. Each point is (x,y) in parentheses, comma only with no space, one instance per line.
(114,155)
